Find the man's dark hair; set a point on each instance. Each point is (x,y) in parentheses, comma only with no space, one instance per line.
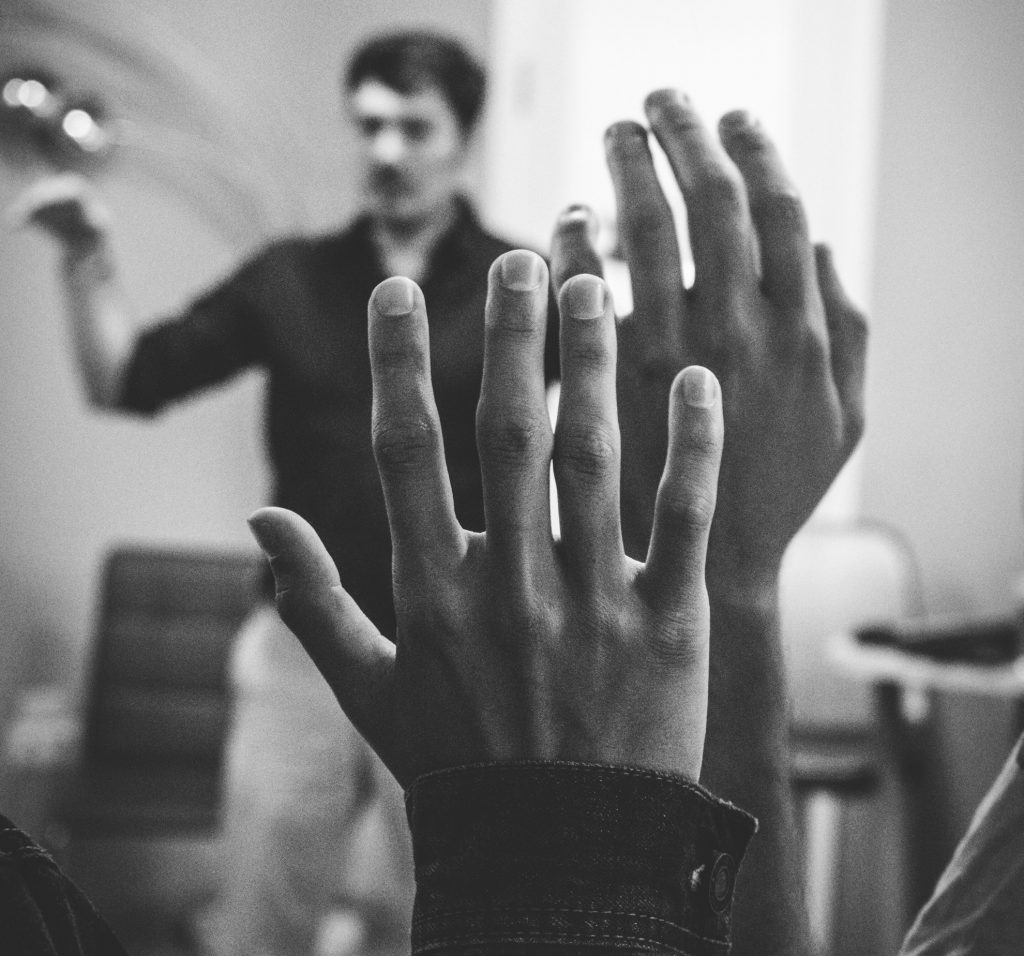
(416,60)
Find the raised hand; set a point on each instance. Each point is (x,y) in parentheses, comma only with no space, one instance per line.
(510,645)
(67,206)
(766,313)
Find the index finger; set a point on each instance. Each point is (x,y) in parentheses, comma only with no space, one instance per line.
(406,428)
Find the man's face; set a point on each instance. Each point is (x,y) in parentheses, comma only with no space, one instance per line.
(411,147)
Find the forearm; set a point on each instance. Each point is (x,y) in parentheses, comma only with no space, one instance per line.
(746,761)
(102,332)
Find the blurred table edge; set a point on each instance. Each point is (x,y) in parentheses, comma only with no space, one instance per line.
(878,665)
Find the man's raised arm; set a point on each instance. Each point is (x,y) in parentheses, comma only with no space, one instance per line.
(70,210)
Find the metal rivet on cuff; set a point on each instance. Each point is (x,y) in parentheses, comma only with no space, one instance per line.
(721,882)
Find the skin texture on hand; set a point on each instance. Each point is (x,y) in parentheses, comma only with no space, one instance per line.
(767,314)
(511,645)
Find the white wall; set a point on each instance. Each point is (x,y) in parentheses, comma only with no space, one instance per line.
(944,455)
(945,445)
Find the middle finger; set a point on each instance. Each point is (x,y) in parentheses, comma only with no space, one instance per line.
(512,424)
(721,232)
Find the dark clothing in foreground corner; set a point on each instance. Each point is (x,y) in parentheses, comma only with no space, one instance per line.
(535,857)
(298,309)
(42,913)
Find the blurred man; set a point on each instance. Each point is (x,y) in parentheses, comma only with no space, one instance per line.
(313,824)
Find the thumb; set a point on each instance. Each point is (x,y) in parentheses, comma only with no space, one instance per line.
(354,658)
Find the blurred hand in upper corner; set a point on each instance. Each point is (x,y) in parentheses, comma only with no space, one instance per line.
(67,206)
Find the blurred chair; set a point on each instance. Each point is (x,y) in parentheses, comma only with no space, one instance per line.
(137,772)
(837,577)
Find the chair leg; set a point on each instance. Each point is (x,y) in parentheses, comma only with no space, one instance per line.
(823,819)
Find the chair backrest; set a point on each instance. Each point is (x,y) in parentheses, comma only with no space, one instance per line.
(167,619)
(836,577)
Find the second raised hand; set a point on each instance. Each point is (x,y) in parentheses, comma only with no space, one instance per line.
(766,312)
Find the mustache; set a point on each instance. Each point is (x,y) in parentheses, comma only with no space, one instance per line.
(387,178)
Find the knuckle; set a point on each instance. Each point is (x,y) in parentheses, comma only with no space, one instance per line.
(433,609)
(782,209)
(725,193)
(518,323)
(690,514)
(402,445)
(812,354)
(592,357)
(727,344)
(646,226)
(587,449)
(510,441)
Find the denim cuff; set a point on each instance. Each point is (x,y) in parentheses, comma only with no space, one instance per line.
(535,854)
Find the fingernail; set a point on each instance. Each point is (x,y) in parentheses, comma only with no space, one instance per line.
(700,387)
(395,296)
(667,97)
(521,271)
(626,130)
(739,121)
(263,532)
(579,216)
(576,213)
(585,297)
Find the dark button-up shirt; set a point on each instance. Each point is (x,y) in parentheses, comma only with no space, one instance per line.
(298,309)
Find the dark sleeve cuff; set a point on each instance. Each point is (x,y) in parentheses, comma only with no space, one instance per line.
(532,855)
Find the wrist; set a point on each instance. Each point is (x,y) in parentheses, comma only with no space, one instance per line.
(752,591)
(741,569)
